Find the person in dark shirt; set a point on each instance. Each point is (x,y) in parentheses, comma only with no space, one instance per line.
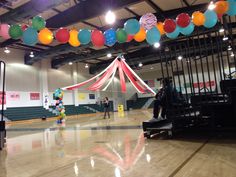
(106,107)
(162,100)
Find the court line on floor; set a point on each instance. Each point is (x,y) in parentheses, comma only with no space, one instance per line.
(78,128)
(188,159)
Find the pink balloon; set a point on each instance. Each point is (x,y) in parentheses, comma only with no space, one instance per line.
(4,28)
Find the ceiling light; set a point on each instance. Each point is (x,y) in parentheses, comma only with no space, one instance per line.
(109,55)
(225,38)
(31,54)
(86,66)
(157,45)
(110,17)
(229,48)
(70,63)
(180,57)
(232,54)
(221,30)
(6,50)
(211,6)
(140,64)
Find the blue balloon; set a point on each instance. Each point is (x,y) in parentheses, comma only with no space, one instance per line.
(132,26)
(30,36)
(187,30)
(153,36)
(110,37)
(211,18)
(84,36)
(232,7)
(174,34)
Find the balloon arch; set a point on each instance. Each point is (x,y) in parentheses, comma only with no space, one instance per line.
(147,28)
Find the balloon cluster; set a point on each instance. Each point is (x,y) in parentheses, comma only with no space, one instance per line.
(146,28)
(60,108)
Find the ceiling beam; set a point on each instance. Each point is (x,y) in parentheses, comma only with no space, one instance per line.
(131,11)
(155,7)
(84,11)
(186,3)
(92,25)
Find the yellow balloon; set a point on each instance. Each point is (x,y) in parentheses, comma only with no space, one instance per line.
(45,36)
(73,41)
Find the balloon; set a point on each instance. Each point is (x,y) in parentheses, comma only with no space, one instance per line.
(84,36)
(110,37)
(129,38)
(219,16)
(141,35)
(24,27)
(4,28)
(232,7)
(148,21)
(15,31)
(97,38)
(174,34)
(132,26)
(169,25)
(183,20)
(198,18)
(221,7)
(73,41)
(211,19)
(153,36)
(45,36)
(30,36)
(187,30)
(160,27)
(62,35)
(38,23)
(121,35)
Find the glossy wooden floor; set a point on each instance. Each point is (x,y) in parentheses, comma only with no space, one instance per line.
(90,146)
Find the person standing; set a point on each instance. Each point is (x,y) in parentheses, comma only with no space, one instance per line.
(106,108)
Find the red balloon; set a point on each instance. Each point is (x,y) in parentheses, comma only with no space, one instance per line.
(130,38)
(62,35)
(24,27)
(169,25)
(219,16)
(97,38)
(183,20)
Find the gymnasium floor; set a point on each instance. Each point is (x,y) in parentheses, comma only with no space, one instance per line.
(90,146)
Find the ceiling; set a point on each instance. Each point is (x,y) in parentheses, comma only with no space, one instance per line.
(86,14)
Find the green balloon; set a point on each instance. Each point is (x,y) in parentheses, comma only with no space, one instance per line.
(121,35)
(15,31)
(38,23)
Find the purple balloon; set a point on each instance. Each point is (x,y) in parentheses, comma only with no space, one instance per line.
(148,21)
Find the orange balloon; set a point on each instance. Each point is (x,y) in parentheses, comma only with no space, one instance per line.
(221,7)
(74,41)
(198,18)
(45,36)
(160,27)
(141,35)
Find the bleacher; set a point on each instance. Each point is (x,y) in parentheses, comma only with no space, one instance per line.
(19,113)
(26,113)
(137,104)
(98,107)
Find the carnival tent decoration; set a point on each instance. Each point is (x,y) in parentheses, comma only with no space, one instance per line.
(108,74)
